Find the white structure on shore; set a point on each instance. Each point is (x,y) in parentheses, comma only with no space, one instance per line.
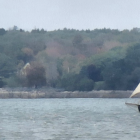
(23,71)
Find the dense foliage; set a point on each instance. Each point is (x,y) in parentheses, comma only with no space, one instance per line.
(70,59)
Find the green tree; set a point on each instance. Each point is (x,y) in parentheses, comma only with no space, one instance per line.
(124,73)
(77,40)
(132,58)
(132,79)
(7,66)
(113,75)
(2,31)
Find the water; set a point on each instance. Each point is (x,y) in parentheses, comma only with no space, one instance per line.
(68,119)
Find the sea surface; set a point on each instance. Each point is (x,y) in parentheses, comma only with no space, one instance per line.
(68,119)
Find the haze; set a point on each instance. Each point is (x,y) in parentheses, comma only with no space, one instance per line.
(76,14)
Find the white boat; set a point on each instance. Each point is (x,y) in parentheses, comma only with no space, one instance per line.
(135,92)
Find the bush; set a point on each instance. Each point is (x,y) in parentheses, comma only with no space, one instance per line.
(72,82)
(85,84)
(99,85)
(12,81)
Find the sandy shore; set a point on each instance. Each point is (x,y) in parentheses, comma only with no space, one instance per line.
(53,93)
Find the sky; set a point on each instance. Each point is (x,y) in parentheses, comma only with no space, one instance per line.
(72,14)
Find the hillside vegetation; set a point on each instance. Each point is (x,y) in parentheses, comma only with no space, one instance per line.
(70,59)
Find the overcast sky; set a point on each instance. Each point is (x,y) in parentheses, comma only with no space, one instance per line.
(76,14)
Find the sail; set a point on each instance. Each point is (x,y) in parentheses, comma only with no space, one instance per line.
(136,91)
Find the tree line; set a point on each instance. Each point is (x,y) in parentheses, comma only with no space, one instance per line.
(70,59)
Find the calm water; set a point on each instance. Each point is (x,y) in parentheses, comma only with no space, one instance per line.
(68,119)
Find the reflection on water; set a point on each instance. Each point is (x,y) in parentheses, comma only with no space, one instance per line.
(68,119)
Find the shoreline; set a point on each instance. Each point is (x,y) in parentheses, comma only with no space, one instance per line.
(55,93)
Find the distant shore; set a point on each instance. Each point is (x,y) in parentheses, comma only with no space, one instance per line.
(55,93)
